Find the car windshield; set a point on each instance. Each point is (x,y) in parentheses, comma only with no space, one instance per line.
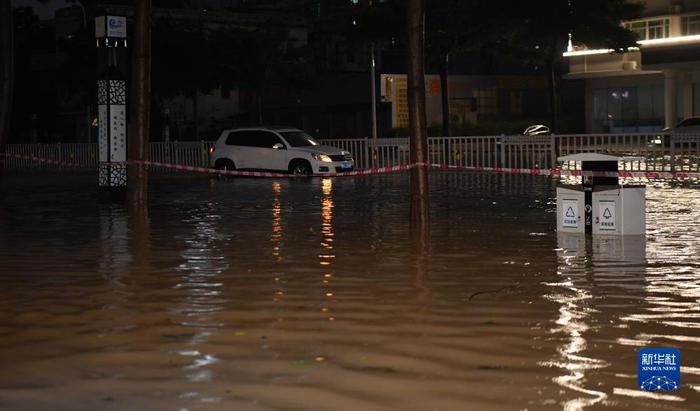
(299,139)
(689,122)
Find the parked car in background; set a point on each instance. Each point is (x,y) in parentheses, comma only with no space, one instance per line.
(686,133)
(279,149)
(688,125)
(537,130)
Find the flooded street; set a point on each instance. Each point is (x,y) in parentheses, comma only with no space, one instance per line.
(265,294)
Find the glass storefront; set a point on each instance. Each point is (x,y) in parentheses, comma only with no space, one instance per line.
(628,109)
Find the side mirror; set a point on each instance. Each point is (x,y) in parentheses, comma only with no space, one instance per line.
(278,146)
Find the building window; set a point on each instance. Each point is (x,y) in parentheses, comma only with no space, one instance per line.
(628,109)
(690,25)
(639,28)
(649,29)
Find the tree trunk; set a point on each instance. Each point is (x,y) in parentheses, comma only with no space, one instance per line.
(140,100)
(7,70)
(445,94)
(416,113)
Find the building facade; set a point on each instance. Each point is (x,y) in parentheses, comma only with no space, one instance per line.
(648,87)
(472,98)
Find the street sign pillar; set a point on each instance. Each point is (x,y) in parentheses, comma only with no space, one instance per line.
(111,42)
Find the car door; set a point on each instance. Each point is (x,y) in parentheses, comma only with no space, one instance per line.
(270,153)
(239,148)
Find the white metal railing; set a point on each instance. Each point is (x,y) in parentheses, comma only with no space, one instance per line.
(685,152)
(190,153)
(657,152)
(81,154)
(357,146)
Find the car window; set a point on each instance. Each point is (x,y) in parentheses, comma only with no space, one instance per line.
(265,139)
(299,139)
(241,138)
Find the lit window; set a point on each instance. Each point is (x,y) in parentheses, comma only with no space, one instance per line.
(690,25)
(639,28)
(649,29)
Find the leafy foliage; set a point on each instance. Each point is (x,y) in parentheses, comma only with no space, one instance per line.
(189,57)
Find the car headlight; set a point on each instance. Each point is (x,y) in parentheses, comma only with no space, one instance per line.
(322,157)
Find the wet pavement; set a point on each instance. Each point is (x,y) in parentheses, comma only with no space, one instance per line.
(261,294)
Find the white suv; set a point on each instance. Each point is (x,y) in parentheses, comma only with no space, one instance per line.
(277,149)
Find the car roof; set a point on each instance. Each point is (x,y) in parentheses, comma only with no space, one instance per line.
(268,128)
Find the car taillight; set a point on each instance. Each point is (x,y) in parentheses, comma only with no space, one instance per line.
(212,149)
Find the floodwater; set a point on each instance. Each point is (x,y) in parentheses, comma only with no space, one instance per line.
(263,294)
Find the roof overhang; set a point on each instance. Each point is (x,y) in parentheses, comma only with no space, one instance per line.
(642,44)
(611,73)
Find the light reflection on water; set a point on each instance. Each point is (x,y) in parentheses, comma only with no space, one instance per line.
(578,303)
(201,298)
(315,294)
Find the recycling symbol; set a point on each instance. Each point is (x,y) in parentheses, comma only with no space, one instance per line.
(607,214)
(570,212)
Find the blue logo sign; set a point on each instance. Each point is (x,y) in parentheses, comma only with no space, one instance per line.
(659,369)
(115,24)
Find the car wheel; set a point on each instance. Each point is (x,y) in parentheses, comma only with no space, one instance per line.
(301,168)
(224,164)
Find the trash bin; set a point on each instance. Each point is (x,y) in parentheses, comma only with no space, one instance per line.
(600,205)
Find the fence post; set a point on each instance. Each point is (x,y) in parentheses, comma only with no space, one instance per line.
(553,152)
(672,146)
(368,159)
(176,150)
(503,151)
(59,155)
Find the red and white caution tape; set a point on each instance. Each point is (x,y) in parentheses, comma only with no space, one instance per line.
(362,172)
(42,160)
(555,172)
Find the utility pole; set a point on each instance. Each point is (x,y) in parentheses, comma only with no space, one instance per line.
(416,114)
(373,88)
(445,93)
(140,105)
(373,91)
